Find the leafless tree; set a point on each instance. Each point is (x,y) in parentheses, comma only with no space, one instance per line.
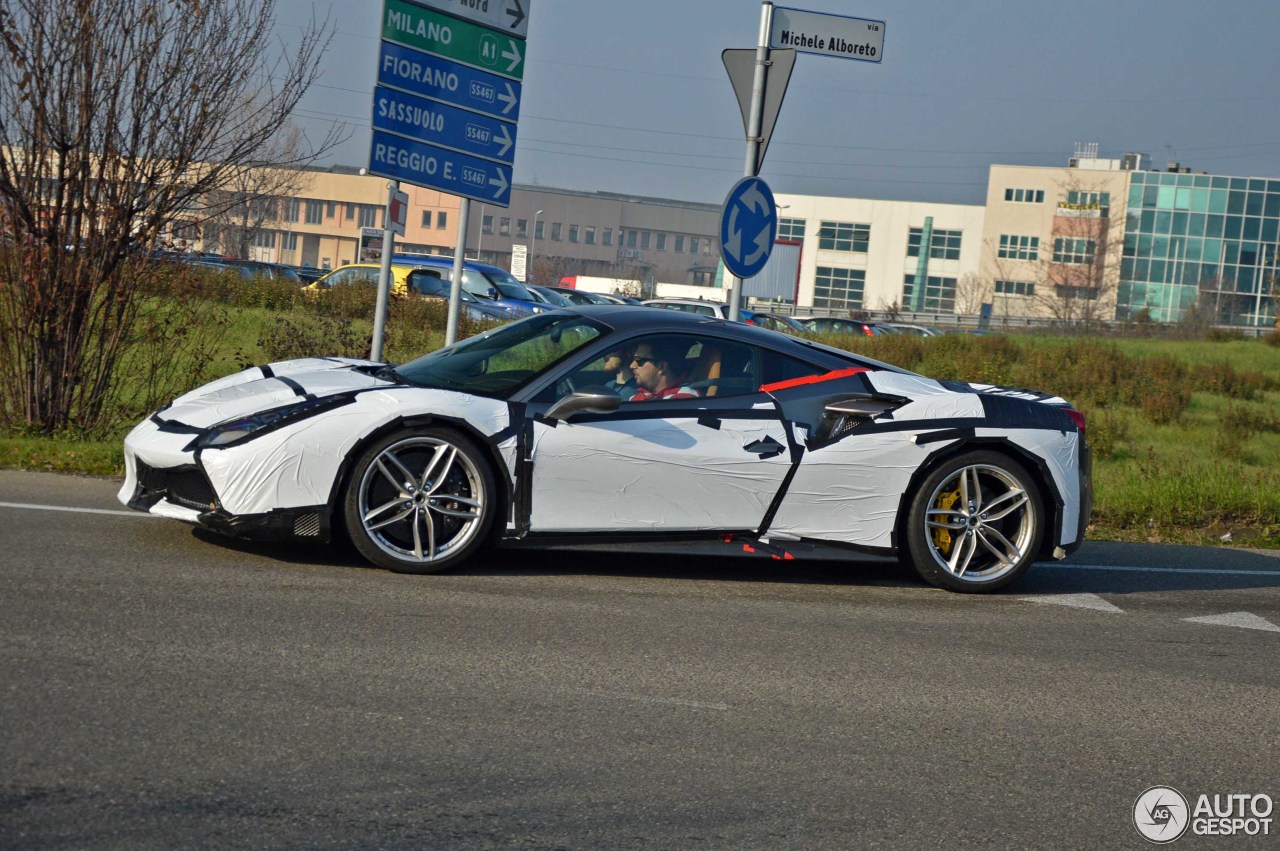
(118,117)
(233,217)
(972,291)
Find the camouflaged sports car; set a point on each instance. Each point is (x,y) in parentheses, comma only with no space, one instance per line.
(534,433)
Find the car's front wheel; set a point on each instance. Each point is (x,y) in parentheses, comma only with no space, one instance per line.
(975,524)
(420,500)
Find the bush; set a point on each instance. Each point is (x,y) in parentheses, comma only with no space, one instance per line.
(1272,338)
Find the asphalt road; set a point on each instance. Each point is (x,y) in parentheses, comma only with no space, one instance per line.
(166,688)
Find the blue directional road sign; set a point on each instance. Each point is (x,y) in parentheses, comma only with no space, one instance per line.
(421,164)
(440,124)
(748,227)
(435,77)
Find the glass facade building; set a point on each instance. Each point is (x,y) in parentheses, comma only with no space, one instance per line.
(1200,239)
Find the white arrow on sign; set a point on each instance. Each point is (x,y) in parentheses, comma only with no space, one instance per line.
(500,182)
(760,240)
(754,199)
(504,140)
(511,53)
(509,99)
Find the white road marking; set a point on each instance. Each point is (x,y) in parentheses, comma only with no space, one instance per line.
(77,510)
(1244,620)
(1203,571)
(672,701)
(1082,601)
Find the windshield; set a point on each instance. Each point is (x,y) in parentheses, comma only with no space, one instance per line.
(553,297)
(509,286)
(501,361)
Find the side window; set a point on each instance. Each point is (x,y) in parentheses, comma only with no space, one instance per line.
(426,282)
(683,366)
(775,367)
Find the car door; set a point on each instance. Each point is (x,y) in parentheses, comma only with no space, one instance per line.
(714,462)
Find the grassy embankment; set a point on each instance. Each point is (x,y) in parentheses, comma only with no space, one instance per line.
(1186,433)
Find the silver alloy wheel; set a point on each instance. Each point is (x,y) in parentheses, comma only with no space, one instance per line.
(421,499)
(980,523)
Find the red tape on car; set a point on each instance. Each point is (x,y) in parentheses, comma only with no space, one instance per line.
(812,379)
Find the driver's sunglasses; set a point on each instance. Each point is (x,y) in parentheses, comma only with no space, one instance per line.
(642,360)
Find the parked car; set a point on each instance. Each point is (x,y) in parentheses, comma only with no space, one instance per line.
(698,306)
(548,295)
(482,280)
(916,330)
(510,438)
(309,273)
(836,325)
(779,322)
(428,284)
(580,296)
(616,298)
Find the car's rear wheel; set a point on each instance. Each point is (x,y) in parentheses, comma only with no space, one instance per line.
(975,524)
(420,500)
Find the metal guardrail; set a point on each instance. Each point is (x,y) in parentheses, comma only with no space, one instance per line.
(1003,323)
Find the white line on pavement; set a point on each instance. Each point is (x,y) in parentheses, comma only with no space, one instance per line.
(78,510)
(1204,571)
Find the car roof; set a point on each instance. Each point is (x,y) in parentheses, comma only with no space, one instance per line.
(443,260)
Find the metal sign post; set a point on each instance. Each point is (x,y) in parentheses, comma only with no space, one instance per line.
(753,132)
(384,274)
(455,287)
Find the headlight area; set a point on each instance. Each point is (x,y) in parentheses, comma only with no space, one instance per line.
(243,429)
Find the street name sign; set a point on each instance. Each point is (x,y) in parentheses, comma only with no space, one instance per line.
(449,171)
(462,41)
(827,35)
(748,227)
(440,124)
(449,82)
(507,16)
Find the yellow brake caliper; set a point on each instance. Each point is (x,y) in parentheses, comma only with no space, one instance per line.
(942,537)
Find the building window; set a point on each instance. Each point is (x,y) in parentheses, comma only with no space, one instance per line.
(1078,198)
(504,226)
(442,220)
(644,240)
(332,209)
(1014,247)
(679,243)
(522,228)
(590,235)
(939,293)
(1074,251)
(631,239)
(369,215)
(351,212)
(943,244)
(607,236)
(289,241)
(662,242)
(1024,196)
(556,228)
(426,218)
(838,287)
(1075,293)
(264,239)
(693,245)
(486,224)
(573,233)
(791,229)
(844,236)
(315,212)
(292,207)
(1015,288)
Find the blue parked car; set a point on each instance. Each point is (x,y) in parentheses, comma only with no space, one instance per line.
(482,280)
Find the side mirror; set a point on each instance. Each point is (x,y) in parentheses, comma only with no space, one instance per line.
(494,294)
(595,402)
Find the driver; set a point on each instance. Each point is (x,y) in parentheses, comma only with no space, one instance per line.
(656,369)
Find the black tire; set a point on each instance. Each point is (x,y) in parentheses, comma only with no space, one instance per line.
(420,500)
(975,524)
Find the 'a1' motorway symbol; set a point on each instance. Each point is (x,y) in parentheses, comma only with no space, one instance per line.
(748,227)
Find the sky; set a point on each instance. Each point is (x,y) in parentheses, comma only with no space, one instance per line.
(631,96)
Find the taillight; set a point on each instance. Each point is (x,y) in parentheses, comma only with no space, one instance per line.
(1077,416)
(866,329)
